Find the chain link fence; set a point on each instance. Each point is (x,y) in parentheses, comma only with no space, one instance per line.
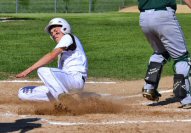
(64,6)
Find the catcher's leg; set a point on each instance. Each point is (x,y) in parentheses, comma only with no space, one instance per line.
(182,87)
(153,76)
(179,86)
(152,79)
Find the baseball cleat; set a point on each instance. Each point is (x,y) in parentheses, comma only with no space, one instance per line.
(72,97)
(186,106)
(63,97)
(151,94)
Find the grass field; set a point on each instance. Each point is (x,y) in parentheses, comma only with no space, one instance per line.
(114,44)
(62,6)
(47,6)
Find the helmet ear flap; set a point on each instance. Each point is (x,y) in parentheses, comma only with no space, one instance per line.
(63,30)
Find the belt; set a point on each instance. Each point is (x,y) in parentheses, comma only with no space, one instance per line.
(83,79)
(157,9)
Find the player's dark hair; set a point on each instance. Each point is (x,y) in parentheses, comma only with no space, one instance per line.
(52,26)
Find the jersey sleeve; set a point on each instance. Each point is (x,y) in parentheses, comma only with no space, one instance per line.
(65,42)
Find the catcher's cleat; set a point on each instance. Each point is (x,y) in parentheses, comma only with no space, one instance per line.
(151,94)
(186,106)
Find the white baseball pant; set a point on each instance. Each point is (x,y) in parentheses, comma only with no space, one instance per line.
(56,81)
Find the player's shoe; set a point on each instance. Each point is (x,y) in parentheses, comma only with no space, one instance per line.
(71,97)
(186,106)
(151,94)
(64,96)
(186,102)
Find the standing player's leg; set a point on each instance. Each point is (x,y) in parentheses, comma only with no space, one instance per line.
(156,62)
(182,86)
(174,42)
(153,75)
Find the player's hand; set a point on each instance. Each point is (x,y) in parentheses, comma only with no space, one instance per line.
(22,74)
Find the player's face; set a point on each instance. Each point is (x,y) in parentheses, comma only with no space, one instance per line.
(56,33)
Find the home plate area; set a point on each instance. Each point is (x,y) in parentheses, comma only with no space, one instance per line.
(106,106)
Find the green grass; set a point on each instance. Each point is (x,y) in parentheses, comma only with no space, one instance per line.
(47,6)
(80,6)
(114,43)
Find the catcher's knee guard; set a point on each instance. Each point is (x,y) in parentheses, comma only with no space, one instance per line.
(154,70)
(152,77)
(153,73)
(182,85)
(157,60)
(179,87)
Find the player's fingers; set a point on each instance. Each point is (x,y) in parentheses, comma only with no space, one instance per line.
(20,75)
(17,76)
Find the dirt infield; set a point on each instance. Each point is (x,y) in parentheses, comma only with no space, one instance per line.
(120,107)
(180,9)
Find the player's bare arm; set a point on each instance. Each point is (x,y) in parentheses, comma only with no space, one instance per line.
(48,58)
(56,35)
(188,2)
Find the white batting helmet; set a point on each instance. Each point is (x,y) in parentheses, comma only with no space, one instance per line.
(59,21)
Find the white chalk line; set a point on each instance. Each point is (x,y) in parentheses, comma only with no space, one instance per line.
(116,122)
(38,81)
(138,95)
(111,122)
(2,21)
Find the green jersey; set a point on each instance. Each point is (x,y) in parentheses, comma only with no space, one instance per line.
(156,4)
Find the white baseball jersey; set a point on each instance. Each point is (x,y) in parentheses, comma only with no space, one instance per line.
(72,60)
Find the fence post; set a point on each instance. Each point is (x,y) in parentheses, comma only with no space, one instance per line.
(90,6)
(55,6)
(17,5)
(181,2)
(123,3)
